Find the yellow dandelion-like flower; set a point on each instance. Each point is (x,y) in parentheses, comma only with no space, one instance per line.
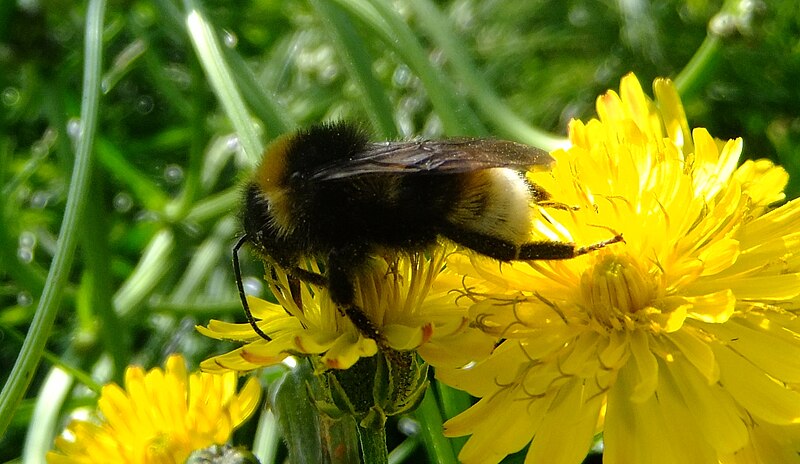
(680,345)
(409,300)
(161,416)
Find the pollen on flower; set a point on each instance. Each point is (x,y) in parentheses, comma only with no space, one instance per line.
(162,447)
(615,289)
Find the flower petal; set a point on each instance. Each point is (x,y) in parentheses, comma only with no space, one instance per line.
(346,351)
(714,307)
(161,416)
(500,411)
(574,410)
(646,370)
(482,378)
(459,349)
(697,352)
(766,344)
(406,338)
(762,288)
(673,114)
(762,396)
(649,431)
(711,408)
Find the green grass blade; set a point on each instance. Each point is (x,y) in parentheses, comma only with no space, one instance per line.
(456,116)
(492,107)
(221,79)
(28,359)
(358,61)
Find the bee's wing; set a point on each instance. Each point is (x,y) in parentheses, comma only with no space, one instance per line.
(435,157)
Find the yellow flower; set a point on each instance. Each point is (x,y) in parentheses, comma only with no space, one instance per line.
(160,417)
(410,301)
(680,345)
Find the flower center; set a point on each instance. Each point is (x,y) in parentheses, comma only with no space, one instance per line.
(164,449)
(615,288)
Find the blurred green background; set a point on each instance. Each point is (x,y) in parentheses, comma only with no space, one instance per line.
(153,245)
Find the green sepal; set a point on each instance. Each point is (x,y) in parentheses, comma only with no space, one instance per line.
(374,388)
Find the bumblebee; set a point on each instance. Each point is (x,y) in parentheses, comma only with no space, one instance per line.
(328,193)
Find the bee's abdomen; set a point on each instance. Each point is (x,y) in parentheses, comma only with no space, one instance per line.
(494,202)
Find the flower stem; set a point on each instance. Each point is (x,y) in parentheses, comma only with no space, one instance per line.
(700,68)
(439,448)
(373,444)
(727,24)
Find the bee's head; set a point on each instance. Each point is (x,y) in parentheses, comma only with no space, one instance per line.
(264,222)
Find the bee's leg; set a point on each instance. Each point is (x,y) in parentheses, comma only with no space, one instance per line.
(296,276)
(238,273)
(297,293)
(505,250)
(547,249)
(543,198)
(538,194)
(342,291)
(558,205)
(309,277)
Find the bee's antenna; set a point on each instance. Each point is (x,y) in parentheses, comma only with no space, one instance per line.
(238,273)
